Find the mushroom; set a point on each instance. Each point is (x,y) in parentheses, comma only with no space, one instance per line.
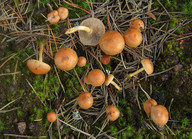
(105,59)
(109,80)
(159,115)
(38,66)
(96,77)
(147,66)
(85,100)
(66,59)
(112,112)
(82,61)
(90,31)
(148,104)
(112,43)
(137,24)
(51,117)
(53,17)
(133,37)
(63,12)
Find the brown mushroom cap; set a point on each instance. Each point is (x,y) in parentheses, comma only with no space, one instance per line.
(147,65)
(51,117)
(63,12)
(85,100)
(82,61)
(137,24)
(38,67)
(105,59)
(159,115)
(112,113)
(66,59)
(112,43)
(108,79)
(148,104)
(133,37)
(96,77)
(91,38)
(53,17)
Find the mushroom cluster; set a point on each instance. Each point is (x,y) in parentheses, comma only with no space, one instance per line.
(158,113)
(60,14)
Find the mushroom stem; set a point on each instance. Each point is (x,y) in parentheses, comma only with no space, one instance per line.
(116,86)
(135,73)
(41,52)
(74,29)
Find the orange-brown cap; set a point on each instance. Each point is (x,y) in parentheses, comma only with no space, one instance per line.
(159,115)
(147,65)
(86,80)
(105,59)
(112,43)
(112,112)
(53,17)
(133,37)
(85,100)
(96,77)
(51,117)
(108,79)
(66,59)
(38,67)
(63,12)
(82,61)
(147,105)
(91,38)
(137,24)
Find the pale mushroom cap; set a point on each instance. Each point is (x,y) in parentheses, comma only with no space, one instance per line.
(85,100)
(112,43)
(137,24)
(51,116)
(38,67)
(108,80)
(96,77)
(53,17)
(92,38)
(63,12)
(133,37)
(66,59)
(148,104)
(82,61)
(112,113)
(147,65)
(159,115)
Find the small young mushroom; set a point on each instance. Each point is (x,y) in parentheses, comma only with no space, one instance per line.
(53,17)
(147,66)
(112,43)
(137,24)
(82,61)
(112,112)
(133,37)
(63,12)
(85,100)
(96,77)
(90,31)
(159,115)
(109,80)
(38,66)
(51,117)
(148,104)
(66,59)
(105,59)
